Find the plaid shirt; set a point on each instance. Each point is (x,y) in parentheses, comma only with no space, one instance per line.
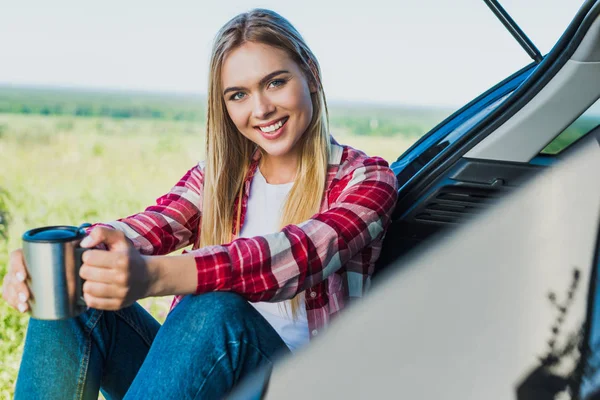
(331,256)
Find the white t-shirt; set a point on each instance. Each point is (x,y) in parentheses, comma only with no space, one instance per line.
(265,205)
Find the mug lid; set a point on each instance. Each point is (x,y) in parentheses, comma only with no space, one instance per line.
(54,234)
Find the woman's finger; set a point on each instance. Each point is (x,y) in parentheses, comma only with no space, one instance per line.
(102,303)
(103,290)
(101,258)
(15,290)
(16,298)
(98,274)
(6,282)
(21,292)
(17,265)
(113,238)
(8,291)
(22,306)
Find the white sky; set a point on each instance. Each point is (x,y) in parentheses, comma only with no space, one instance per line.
(422,52)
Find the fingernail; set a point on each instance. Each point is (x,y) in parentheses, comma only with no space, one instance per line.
(22,307)
(20,276)
(22,297)
(86,241)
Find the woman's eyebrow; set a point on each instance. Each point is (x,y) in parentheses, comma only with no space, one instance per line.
(262,81)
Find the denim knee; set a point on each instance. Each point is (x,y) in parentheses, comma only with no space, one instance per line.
(83,323)
(216,305)
(211,340)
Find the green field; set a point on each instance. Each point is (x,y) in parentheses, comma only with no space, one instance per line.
(64,166)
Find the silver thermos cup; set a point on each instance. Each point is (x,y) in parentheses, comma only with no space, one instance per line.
(53,259)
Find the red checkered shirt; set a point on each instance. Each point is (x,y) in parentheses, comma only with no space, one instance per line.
(331,256)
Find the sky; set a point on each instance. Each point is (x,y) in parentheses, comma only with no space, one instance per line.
(411,52)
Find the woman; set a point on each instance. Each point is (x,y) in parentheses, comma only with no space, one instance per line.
(285,224)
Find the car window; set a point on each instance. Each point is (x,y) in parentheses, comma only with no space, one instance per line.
(456,126)
(578,129)
(404,174)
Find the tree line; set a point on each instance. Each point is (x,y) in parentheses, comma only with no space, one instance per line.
(26,100)
(358,119)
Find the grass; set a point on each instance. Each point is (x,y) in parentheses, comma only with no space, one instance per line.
(579,128)
(69,170)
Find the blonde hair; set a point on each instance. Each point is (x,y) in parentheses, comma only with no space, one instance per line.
(229,153)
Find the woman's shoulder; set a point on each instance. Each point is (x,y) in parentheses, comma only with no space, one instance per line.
(347,159)
(352,166)
(193,178)
(198,169)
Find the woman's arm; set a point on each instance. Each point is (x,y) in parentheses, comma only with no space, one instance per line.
(172,275)
(172,223)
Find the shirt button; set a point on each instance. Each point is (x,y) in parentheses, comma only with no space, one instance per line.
(313,294)
(314,332)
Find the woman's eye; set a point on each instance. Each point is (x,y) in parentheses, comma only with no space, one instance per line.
(277,82)
(237,96)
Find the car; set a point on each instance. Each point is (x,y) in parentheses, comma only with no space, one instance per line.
(486,285)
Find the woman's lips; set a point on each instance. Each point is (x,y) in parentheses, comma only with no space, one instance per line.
(276,133)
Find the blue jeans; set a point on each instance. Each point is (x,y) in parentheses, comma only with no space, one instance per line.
(206,345)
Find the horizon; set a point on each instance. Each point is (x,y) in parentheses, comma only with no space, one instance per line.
(202,96)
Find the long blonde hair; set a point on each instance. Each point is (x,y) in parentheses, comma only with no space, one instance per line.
(229,153)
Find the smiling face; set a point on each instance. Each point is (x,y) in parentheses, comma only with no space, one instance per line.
(268,98)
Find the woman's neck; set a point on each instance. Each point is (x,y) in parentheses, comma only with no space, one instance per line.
(279,170)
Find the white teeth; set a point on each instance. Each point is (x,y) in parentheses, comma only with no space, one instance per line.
(273,127)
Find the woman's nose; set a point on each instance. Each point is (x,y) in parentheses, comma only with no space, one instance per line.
(263,107)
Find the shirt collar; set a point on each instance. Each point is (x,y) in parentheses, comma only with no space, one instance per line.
(335,158)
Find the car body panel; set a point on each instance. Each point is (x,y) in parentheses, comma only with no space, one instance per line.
(469,316)
(572,90)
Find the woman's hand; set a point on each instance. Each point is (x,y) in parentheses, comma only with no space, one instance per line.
(116,278)
(14,288)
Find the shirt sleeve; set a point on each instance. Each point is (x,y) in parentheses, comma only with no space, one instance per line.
(172,223)
(277,266)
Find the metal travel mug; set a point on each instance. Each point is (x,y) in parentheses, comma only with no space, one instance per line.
(53,258)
